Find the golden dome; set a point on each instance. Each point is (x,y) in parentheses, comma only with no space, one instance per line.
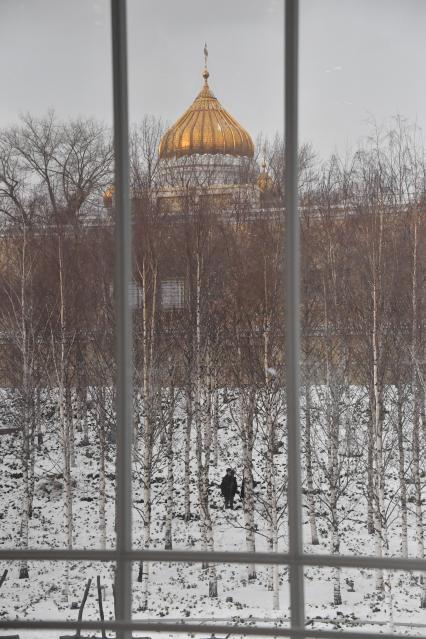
(206,128)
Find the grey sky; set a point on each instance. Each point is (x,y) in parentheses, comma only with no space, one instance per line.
(359,58)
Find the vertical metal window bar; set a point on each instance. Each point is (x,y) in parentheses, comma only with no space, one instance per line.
(124,348)
(292,302)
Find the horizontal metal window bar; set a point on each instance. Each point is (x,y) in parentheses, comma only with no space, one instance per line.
(340,620)
(355,622)
(355,561)
(219,557)
(192,628)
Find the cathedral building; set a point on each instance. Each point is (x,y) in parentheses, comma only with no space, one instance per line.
(208,157)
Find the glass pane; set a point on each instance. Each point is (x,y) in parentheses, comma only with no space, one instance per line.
(346,599)
(57,424)
(363,283)
(207,262)
(184,592)
(57,590)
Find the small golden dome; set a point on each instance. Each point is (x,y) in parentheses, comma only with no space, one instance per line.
(108,196)
(206,128)
(264,180)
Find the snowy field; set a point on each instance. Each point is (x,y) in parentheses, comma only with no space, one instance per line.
(180,591)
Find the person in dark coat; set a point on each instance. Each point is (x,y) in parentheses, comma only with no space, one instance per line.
(228,488)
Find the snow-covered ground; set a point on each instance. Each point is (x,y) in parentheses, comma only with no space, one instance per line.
(180,591)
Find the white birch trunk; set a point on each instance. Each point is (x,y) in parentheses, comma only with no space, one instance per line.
(168,534)
(146,446)
(148,423)
(146,537)
(25,452)
(333,438)
(378,438)
(216,423)
(309,473)
(333,472)
(38,422)
(370,468)
(401,474)
(64,424)
(82,421)
(387,584)
(203,444)
(187,459)
(271,490)
(70,424)
(102,474)
(273,580)
(246,416)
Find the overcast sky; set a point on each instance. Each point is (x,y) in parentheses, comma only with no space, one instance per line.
(359,59)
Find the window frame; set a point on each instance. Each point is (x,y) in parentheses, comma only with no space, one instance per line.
(123,554)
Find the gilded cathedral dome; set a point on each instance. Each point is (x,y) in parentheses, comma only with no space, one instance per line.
(206,128)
